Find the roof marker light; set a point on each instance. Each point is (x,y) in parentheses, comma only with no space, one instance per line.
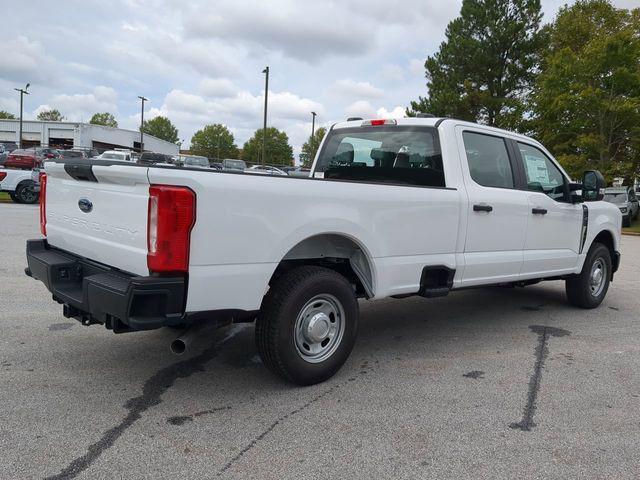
(379,122)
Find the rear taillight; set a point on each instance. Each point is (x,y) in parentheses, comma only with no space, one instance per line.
(172,214)
(2,175)
(43,203)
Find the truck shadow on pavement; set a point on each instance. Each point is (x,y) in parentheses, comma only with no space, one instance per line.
(387,325)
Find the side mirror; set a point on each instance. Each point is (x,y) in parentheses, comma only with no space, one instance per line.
(592,186)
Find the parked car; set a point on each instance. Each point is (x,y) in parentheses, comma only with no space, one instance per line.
(25,159)
(233,165)
(216,165)
(117,155)
(21,185)
(150,158)
(48,152)
(415,206)
(73,153)
(191,161)
(265,170)
(9,146)
(626,200)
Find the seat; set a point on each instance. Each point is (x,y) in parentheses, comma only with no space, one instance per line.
(402,160)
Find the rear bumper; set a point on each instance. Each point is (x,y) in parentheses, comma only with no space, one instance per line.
(95,293)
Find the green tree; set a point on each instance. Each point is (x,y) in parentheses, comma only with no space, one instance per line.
(107,119)
(161,127)
(485,67)
(6,115)
(587,96)
(278,150)
(51,115)
(311,146)
(214,141)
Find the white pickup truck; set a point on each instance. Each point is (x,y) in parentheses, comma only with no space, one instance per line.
(21,185)
(393,208)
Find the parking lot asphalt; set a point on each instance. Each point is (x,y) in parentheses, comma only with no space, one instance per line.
(488,383)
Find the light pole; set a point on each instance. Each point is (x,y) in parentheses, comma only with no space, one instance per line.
(23,91)
(313,124)
(264,127)
(142,100)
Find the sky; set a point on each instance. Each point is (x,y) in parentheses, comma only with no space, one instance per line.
(200,62)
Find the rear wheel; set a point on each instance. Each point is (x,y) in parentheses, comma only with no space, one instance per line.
(588,289)
(14,197)
(307,325)
(26,193)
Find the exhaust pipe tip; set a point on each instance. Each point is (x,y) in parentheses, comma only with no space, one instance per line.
(178,346)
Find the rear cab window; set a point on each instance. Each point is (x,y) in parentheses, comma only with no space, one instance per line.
(389,154)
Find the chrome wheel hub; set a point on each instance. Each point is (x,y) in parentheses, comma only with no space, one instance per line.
(319,328)
(597,278)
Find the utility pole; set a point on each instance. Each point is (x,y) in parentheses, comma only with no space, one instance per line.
(264,128)
(142,99)
(23,91)
(313,124)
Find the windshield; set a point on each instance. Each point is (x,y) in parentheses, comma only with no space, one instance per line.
(389,154)
(615,197)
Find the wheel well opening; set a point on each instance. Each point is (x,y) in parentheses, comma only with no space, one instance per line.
(606,238)
(333,251)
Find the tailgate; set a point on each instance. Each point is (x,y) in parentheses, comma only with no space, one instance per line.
(99,212)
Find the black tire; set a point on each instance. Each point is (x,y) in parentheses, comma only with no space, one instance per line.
(288,297)
(14,198)
(25,192)
(579,287)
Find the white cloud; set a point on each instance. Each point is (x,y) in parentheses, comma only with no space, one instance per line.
(416,66)
(360,108)
(350,88)
(397,112)
(10,105)
(392,73)
(82,106)
(217,87)
(25,61)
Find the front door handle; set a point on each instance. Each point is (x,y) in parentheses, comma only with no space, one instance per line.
(539,211)
(482,208)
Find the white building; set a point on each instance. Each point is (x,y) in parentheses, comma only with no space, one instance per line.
(80,135)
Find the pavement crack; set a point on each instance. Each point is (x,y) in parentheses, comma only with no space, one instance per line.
(541,352)
(281,419)
(152,391)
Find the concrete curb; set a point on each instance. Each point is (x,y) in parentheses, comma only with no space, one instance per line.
(631,234)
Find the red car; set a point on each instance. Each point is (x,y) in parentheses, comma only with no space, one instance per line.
(28,159)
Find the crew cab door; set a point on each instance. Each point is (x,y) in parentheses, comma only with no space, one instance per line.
(497,211)
(554,228)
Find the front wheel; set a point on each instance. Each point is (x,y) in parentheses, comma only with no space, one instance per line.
(589,287)
(307,324)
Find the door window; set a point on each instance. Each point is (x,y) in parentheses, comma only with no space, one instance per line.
(542,174)
(488,160)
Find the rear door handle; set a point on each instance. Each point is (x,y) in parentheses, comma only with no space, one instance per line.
(539,211)
(482,208)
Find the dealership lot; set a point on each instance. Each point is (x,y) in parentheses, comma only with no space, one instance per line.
(480,384)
